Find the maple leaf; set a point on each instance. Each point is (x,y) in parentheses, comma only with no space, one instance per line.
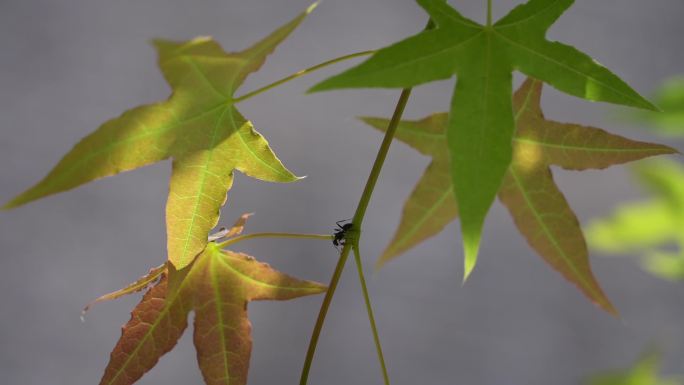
(481,122)
(217,286)
(648,227)
(198,126)
(155,273)
(644,372)
(537,206)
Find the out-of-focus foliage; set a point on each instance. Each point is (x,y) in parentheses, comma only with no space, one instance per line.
(654,228)
(670,98)
(646,371)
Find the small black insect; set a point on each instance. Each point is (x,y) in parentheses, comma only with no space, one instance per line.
(340,234)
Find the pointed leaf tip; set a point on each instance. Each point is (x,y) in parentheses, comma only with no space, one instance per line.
(320,87)
(648,105)
(471,248)
(312,7)
(19,200)
(14,202)
(610,309)
(656,108)
(380,263)
(142,283)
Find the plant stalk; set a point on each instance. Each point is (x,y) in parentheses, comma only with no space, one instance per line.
(489,13)
(369,311)
(356,226)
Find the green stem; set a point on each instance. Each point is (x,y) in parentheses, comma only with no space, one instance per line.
(356,226)
(369,310)
(380,159)
(300,73)
(245,237)
(489,13)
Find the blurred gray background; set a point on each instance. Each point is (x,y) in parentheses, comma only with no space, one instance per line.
(67,66)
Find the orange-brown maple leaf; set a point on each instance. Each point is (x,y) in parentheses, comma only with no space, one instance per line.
(217,287)
(539,209)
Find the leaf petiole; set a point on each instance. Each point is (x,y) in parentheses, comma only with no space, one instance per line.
(369,310)
(245,237)
(489,13)
(299,74)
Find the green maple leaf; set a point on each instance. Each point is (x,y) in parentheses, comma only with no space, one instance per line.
(538,207)
(647,228)
(217,286)
(199,127)
(481,122)
(646,371)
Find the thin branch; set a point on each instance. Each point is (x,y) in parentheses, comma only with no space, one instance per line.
(356,225)
(369,310)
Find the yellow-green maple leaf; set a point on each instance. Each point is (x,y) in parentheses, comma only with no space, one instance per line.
(198,127)
(539,209)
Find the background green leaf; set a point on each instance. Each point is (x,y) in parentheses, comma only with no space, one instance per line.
(481,118)
(539,209)
(646,371)
(650,228)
